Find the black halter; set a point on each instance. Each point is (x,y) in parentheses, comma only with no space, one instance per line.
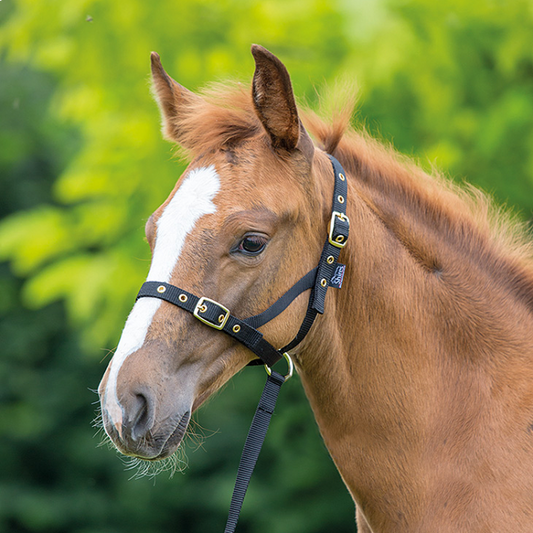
(329,272)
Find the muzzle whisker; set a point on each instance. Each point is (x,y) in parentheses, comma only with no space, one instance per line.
(108,354)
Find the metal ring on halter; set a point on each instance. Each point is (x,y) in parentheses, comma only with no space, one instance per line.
(288,375)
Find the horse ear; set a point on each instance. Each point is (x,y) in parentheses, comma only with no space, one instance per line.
(171,98)
(274,99)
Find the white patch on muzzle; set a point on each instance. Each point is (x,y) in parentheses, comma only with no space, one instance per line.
(193,199)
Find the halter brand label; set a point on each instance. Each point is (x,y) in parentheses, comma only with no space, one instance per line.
(338,276)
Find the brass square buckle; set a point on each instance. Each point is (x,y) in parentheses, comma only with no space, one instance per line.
(202,306)
(341,240)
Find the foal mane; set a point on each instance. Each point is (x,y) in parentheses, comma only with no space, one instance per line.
(427,213)
(222,117)
(408,199)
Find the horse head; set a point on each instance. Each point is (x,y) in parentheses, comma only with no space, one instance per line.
(239,228)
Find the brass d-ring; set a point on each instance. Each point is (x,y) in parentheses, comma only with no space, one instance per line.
(288,375)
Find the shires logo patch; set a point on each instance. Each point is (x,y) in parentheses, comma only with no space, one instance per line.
(338,276)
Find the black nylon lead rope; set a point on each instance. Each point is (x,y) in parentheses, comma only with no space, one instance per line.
(252,446)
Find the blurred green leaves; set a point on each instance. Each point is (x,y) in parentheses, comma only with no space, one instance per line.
(82,166)
(460,95)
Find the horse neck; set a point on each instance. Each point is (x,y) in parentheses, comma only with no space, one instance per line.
(409,344)
(422,276)
(370,325)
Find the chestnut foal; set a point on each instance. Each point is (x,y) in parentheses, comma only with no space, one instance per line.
(419,371)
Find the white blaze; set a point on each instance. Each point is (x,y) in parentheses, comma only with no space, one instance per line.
(193,199)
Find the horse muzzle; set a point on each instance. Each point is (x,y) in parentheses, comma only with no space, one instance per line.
(146,422)
(139,436)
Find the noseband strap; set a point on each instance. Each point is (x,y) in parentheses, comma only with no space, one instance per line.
(213,314)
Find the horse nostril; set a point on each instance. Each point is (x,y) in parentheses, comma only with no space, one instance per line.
(141,418)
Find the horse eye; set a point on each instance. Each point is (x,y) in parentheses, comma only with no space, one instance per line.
(252,244)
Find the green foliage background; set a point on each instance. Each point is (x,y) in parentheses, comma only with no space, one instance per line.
(82,166)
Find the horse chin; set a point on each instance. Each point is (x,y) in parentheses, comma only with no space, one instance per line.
(175,438)
(158,445)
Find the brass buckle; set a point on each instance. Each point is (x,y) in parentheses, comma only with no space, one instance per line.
(344,218)
(201,308)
